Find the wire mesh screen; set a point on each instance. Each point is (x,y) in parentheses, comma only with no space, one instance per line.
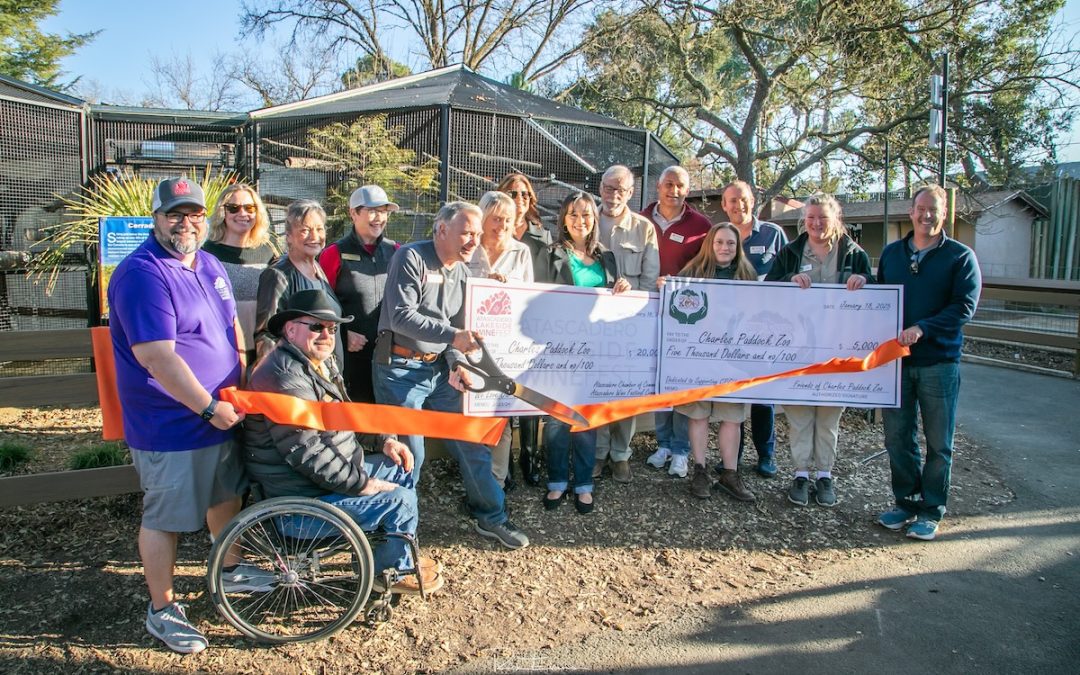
(39,162)
(152,149)
(326,159)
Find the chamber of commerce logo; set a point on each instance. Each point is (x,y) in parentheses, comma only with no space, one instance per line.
(688,306)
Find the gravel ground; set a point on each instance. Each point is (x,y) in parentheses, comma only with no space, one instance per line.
(1009,352)
(74,598)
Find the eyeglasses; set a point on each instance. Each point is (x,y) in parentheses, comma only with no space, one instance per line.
(914,267)
(519,194)
(305,232)
(237,208)
(175,217)
(320,327)
(621,191)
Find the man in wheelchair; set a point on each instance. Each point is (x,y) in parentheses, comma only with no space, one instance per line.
(375,488)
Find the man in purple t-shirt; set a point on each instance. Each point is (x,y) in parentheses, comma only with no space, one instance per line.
(174,334)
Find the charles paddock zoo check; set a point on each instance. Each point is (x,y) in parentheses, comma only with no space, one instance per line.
(584,345)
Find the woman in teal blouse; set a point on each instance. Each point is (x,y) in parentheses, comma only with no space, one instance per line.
(575,259)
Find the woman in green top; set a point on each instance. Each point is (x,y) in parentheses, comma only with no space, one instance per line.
(575,259)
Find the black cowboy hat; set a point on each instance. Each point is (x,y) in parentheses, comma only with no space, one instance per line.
(316,303)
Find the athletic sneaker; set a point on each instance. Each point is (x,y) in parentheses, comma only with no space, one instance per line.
(923,529)
(659,458)
(824,493)
(800,491)
(505,533)
(895,518)
(247,578)
(172,627)
(680,466)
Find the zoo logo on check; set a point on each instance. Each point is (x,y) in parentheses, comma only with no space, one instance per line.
(688,306)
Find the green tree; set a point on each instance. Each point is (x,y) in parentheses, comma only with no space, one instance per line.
(370,70)
(28,54)
(775,89)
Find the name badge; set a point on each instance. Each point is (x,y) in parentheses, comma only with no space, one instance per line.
(757,250)
(677,238)
(806,268)
(434,277)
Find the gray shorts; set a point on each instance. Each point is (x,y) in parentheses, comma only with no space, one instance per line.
(180,486)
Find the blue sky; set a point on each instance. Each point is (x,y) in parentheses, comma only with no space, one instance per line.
(135,30)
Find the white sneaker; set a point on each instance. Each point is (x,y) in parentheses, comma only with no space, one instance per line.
(659,458)
(679,466)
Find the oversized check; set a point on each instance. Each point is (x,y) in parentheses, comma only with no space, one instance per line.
(712,332)
(575,345)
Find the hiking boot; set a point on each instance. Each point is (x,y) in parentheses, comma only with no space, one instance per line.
(680,466)
(408,584)
(923,529)
(700,485)
(172,627)
(620,471)
(766,467)
(598,469)
(799,492)
(505,533)
(247,578)
(895,518)
(824,494)
(731,483)
(659,458)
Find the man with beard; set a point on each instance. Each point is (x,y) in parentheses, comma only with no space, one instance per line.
(174,334)
(421,344)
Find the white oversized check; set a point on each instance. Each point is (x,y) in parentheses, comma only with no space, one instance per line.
(575,345)
(714,332)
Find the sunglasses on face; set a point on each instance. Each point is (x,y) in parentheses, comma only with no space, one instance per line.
(237,208)
(318,327)
(518,194)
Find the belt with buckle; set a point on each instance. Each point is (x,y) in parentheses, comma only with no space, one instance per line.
(405,352)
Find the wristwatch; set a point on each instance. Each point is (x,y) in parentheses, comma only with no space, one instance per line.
(208,413)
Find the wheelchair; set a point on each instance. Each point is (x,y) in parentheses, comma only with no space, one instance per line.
(322,570)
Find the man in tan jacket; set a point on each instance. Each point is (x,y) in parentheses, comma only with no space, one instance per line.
(633,240)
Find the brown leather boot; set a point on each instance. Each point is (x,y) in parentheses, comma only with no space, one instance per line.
(731,483)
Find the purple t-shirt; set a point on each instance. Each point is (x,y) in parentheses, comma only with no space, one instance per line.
(153,296)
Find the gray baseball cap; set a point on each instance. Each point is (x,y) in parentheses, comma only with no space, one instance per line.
(173,192)
(370,197)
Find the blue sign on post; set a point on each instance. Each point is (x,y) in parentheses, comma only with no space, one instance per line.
(117,237)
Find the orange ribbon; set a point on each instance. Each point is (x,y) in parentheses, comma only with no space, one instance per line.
(384,419)
(600,414)
(366,417)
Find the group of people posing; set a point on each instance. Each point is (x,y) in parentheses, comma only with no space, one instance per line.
(208,302)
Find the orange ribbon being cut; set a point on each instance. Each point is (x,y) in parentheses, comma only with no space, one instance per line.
(366,417)
(600,414)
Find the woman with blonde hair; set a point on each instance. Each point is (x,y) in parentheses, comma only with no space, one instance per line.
(822,254)
(528,228)
(721,257)
(240,238)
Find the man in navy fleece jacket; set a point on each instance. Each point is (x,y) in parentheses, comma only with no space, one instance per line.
(941,282)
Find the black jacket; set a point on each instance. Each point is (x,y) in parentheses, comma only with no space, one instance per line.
(851,259)
(292,461)
(552,266)
(278,283)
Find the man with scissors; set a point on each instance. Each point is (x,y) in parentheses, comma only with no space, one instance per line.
(421,348)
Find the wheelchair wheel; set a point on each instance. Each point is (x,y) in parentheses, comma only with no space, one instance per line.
(317,569)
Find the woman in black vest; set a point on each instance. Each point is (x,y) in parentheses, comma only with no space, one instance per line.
(356,266)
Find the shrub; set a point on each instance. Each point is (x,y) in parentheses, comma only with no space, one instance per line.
(14,455)
(100,455)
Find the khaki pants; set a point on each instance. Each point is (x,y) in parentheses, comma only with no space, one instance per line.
(500,455)
(813,432)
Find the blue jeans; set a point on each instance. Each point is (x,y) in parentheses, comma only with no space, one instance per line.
(922,488)
(762,431)
(389,512)
(560,443)
(411,383)
(672,432)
